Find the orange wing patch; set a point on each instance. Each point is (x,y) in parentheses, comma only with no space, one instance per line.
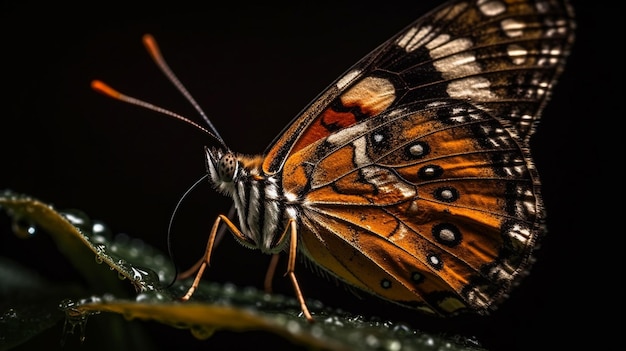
(368,97)
(369,261)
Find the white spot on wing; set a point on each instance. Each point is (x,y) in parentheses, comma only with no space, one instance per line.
(447,235)
(372,94)
(440,46)
(344,136)
(517,53)
(519,233)
(471,88)
(491,8)
(360,152)
(512,27)
(348,78)
(453,59)
(413,37)
(416,150)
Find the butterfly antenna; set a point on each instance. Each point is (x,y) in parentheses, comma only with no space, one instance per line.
(169,226)
(105,89)
(153,49)
(155,53)
(218,238)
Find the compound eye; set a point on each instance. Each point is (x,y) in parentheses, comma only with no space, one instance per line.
(227,167)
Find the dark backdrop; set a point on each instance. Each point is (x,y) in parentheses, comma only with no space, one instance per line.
(253,69)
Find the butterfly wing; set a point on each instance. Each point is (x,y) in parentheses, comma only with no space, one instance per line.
(412,172)
(502,55)
(433,209)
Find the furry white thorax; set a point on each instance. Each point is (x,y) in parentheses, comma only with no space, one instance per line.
(258,201)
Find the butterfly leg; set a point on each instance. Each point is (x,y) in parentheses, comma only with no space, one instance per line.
(291,265)
(201,265)
(191,271)
(269,275)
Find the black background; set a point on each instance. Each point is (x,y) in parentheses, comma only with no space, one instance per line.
(253,68)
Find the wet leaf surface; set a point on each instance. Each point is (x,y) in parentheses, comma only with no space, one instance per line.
(109,264)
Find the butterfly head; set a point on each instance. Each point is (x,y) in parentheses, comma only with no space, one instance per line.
(223,168)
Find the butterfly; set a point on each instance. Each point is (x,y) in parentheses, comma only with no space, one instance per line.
(410,177)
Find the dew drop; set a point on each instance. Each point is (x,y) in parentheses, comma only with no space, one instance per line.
(143,297)
(100,249)
(430,342)
(92,299)
(99,228)
(9,314)
(334,321)
(402,329)
(393,345)
(315,304)
(78,219)
(202,332)
(317,332)
(152,296)
(144,278)
(23,228)
(249,292)
(229,289)
(293,327)
(128,315)
(99,259)
(372,341)
(67,303)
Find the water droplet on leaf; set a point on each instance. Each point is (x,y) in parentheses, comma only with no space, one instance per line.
(23,228)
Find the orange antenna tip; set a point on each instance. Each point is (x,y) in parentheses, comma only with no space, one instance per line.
(148,39)
(101,87)
(151,45)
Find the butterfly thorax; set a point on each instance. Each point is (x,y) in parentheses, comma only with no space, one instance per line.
(257,196)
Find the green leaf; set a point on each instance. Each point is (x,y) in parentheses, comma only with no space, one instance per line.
(106,263)
(29,303)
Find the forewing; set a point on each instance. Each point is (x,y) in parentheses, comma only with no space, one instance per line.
(503,56)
